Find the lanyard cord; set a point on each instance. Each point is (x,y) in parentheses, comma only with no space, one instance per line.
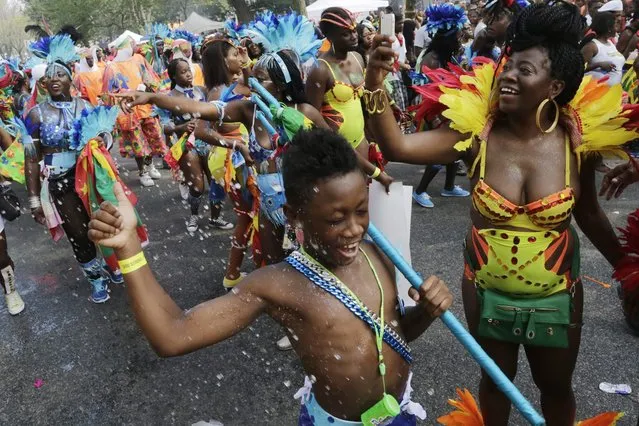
(377,327)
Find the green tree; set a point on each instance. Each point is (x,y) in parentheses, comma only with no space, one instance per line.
(13,40)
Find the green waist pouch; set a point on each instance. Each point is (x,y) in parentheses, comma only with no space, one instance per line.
(538,322)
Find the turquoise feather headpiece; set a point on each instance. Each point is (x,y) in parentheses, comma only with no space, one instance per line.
(285,32)
(57,50)
(157,29)
(98,121)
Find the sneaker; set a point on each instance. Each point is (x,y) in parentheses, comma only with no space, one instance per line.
(184,191)
(15,304)
(100,290)
(229,283)
(145,180)
(423,200)
(191,224)
(153,172)
(115,277)
(457,191)
(220,223)
(284,344)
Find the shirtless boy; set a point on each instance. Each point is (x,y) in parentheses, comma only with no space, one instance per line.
(327,198)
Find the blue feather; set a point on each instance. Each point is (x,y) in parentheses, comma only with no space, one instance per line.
(195,40)
(228,95)
(92,123)
(16,127)
(157,29)
(234,29)
(445,17)
(290,31)
(57,48)
(40,48)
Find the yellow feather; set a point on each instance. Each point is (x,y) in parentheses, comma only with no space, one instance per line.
(469,107)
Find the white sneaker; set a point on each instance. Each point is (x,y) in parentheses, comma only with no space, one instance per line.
(145,180)
(15,304)
(192,225)
(184,191)
(153,172)
(284,344)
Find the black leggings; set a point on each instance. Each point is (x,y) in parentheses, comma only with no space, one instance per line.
(73,214)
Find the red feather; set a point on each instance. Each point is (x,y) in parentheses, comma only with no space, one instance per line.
(631,112)
(627,270)
(430,107)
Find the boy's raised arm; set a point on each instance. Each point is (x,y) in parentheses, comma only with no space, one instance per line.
(171,330)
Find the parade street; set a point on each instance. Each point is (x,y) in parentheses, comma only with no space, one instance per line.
(68,361)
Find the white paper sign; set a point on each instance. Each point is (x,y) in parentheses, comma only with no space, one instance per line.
(391,215)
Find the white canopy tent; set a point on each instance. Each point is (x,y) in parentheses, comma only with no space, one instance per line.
(315,10)
(198,24)
(121,37)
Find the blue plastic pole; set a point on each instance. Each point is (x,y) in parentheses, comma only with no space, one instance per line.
(458,330)
(265,94)
(269,128)
(262,106)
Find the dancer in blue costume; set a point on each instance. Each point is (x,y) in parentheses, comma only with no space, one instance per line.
(53,200)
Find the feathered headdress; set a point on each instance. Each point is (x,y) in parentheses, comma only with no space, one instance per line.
(445,18)
(596,118)
(157,30)
(93,123)
(56,50)
(285,32)
(234,30)
(194,39)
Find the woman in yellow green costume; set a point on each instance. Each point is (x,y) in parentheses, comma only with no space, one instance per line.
(336,85)
(530,134)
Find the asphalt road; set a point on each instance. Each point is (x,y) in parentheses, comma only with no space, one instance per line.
(95,367)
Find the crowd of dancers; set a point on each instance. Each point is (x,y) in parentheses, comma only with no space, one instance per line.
(290,122)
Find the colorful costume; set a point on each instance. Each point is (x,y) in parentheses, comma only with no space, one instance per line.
(342,107)
(201,148)
(140,130)
(58,125)
(539,261)
(88,80)
(293,35)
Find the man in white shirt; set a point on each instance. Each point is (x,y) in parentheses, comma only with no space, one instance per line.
(422,40)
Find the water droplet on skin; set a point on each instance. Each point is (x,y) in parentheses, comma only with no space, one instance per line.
(337,356)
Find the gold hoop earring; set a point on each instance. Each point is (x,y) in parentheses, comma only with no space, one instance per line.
(540,108)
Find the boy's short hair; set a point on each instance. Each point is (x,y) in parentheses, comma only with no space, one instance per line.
(314,155)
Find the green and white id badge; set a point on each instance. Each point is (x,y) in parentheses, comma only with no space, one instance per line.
(383,411)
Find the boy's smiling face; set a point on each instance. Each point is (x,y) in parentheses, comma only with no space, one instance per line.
(335,219)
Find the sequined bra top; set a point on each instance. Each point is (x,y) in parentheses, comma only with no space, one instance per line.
(543,214)
(56,121)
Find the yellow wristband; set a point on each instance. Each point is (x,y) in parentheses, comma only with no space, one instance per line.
(376,173)
(133,263)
